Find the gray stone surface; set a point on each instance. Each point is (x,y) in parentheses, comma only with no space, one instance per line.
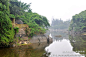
(40,39)
(19,21)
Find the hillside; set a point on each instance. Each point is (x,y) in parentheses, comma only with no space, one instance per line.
(78,22)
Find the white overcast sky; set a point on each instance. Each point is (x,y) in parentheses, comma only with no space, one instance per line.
(63,9)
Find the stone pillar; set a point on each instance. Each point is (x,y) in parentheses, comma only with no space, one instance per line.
(13,22)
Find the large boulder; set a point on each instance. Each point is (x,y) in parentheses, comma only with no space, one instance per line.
(18,21)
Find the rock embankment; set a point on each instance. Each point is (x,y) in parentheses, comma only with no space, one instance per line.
(23,39)
(21,35)
(40,39)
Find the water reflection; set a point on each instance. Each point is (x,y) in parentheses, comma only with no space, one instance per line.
(61,46)
(65,46)
(34,50)
(79,46)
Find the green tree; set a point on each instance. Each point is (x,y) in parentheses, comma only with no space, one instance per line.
(18,8)
(78,22)
(6,31)
(36,22)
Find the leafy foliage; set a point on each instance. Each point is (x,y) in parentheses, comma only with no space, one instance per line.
(78,22)
(16,29)
(6,30)
(18,10)
(11,16)
(36,23)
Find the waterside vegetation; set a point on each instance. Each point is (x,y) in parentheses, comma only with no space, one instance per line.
(78,22)
(37,24)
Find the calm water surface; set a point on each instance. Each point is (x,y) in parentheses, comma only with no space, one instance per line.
(65,46)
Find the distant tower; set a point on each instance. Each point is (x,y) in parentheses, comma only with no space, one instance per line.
(60,18)
(52,20)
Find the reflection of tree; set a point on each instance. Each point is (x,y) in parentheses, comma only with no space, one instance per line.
(6,52)
(46,54)
(78,43)
(34,50)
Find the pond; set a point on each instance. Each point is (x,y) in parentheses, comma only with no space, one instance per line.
(64,46)
(67,45)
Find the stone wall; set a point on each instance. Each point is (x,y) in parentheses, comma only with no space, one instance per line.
(19,25)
